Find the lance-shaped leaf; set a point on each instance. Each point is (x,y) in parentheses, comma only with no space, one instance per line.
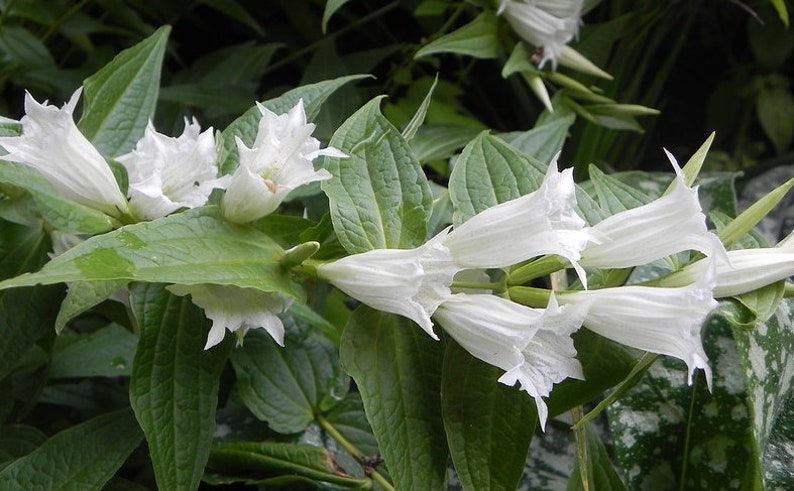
(174,384)
(82,457)
(489,425)
(397,369)
(379,195)
(189,248)
(121,97)
(253,462)
(479,38)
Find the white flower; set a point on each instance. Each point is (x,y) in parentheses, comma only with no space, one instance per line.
(546,24)
(670,224)
(52,144)
(279,161)
(660,320)
(237,309)
(533,346)
(408,282)
(749,269)
(539,223)
(167,173)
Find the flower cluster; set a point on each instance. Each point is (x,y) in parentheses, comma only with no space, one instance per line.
(533,345)
(166,174)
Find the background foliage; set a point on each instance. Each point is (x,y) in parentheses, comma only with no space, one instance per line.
(291,417)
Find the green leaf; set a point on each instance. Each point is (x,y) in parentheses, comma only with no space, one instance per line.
(775,112)
(440,141)
(489,425)
(107,352)
(397,369)
(479,38)
(542,142)
(26,315)
(331,6)
(189,248)
(409,132)
(63,213)
(286,386)
(174,384)
(778,472)
(520,60)
(349,419)
(121,97)
(767,359)
(782,11)
(245,127)
(83,295)
(489,171)
(672,436)
(80,458)
(253,462)
(379,195)
(17,441)
(613,195)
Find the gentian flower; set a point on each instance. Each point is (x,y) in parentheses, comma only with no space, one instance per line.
(533,346)
(670,224)
(546,24)
(52,144)
(660,320)
(747,270)
(279,161)
(539,223)
(237,309)
(407,282)
(166,173)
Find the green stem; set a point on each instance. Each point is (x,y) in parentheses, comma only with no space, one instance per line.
(476,285)
(582,451)
(352,450)
(535,269)
(529,296)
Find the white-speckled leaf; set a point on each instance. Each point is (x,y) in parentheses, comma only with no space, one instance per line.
(671,436)
(767,356)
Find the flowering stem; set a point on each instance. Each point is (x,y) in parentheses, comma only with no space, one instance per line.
(354,451)
(582,451)
(307,267)
(476,285)
(529,296)
(535,269)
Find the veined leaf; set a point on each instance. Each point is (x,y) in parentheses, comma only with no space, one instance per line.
(490,171)
(542,142)
(80,458)
(379,195)
(479,39)
(174,384)
(121,97)
(190,248)
(107,352)
(489,425)
(398,370)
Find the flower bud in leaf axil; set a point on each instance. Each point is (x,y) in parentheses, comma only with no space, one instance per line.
(279,161)
(167,173)
(52,144)
(237,309)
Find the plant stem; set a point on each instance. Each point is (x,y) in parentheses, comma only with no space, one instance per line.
(352,450)
(582,452)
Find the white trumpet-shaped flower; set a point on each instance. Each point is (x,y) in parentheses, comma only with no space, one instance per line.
(237,309)
(749,269)
(670,224)
(533,346)
(279,161)
(539,223)
(167,173)
(666,321)
(52,144)
(407,282)
(546,24)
